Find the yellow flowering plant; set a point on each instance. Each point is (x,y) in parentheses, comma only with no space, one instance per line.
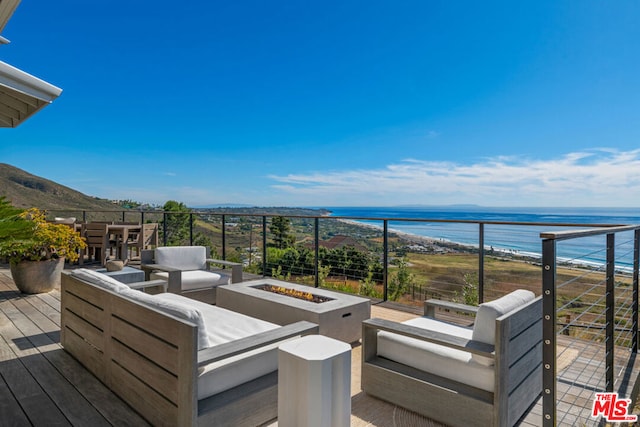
(32,238)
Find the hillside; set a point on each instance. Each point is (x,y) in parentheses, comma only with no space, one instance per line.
(25,190)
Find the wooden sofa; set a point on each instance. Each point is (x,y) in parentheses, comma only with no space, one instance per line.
(154,358)
(188,270)
(456,375)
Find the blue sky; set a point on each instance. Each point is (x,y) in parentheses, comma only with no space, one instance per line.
(334,103)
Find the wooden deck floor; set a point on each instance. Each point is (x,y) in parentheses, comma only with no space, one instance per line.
(41,385)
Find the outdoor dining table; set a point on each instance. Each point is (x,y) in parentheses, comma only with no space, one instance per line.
(122,233)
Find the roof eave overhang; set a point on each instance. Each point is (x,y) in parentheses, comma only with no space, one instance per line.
(22,94)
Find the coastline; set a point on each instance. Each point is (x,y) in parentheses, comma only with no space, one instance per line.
(427,244)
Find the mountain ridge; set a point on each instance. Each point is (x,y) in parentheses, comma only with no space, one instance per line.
(25,190)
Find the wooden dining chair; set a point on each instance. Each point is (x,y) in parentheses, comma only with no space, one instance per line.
(146,239)
(96,235)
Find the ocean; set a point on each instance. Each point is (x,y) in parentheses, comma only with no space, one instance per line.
(520,239)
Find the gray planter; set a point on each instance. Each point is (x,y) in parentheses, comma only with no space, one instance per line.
(35,277)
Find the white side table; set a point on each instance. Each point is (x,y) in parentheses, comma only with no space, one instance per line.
(314,383)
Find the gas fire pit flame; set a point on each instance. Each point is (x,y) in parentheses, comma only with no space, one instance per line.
(307,296)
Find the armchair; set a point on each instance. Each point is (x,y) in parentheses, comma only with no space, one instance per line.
(488,375)
(187,270)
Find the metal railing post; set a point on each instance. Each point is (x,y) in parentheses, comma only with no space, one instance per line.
(634,304)
(385,260)
(191,229)
(84,216)
(224,237)
(164,228)
(264,245)
(141,217)
(481,263)
(123,216)
(549,392)
(610,312)
(317,250)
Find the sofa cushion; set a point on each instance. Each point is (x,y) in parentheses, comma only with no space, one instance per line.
(484,328)
(224,326)
(99,279)
(182,257)
(457,365)
(195,279)
(179,307)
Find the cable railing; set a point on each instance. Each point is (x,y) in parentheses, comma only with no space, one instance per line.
(588,276)
(374,257)
(596,304)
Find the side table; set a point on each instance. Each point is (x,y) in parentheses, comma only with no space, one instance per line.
(314,382)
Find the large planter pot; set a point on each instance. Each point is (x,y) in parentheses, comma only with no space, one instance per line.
(35,277)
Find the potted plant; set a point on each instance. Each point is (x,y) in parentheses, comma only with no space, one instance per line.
(36,249)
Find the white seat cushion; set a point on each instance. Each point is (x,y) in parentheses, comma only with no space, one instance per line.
(182,257)
(457,365)
(224,326)
(99,279)
(195,279)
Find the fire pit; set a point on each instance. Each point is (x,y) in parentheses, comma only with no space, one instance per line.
(338,315)
(303,295)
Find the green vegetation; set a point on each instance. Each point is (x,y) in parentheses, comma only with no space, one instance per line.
(27,236)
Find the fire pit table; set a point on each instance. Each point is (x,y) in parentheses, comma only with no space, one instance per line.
(338,315)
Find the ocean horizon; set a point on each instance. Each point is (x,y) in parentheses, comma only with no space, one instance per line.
(426,221)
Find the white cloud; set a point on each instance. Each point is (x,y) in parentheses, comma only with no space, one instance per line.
(599,177)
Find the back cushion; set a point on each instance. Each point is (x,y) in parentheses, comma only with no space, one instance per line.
(484,329)
(99,279)
(182,257)
(179,308)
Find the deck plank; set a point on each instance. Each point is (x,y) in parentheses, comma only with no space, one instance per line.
(80,395)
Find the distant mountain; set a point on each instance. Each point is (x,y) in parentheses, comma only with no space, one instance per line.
(25,190)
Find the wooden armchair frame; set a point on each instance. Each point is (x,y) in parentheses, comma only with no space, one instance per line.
(517,355)
(150,359)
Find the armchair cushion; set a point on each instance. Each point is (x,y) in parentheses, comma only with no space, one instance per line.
(457,365)
(182,257)
(484,328)
(99,279)
(225,326)
(180,308)
(195,279)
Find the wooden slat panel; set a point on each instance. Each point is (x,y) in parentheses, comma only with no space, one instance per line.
(161,352)
(523,367)
(152,406)
(91,294)
(87,331)
(246,405)
(89,312)
(160,380)
(410,391)
(522,344)
(521,398)
(524,317)
(90,357)
(161,325)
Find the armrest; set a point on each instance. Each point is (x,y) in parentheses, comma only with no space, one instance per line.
(149,284)
(440,338)
(431,305)
(175,275)
(236,268)
(243,345)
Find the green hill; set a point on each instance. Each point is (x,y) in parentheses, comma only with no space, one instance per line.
(25,190)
